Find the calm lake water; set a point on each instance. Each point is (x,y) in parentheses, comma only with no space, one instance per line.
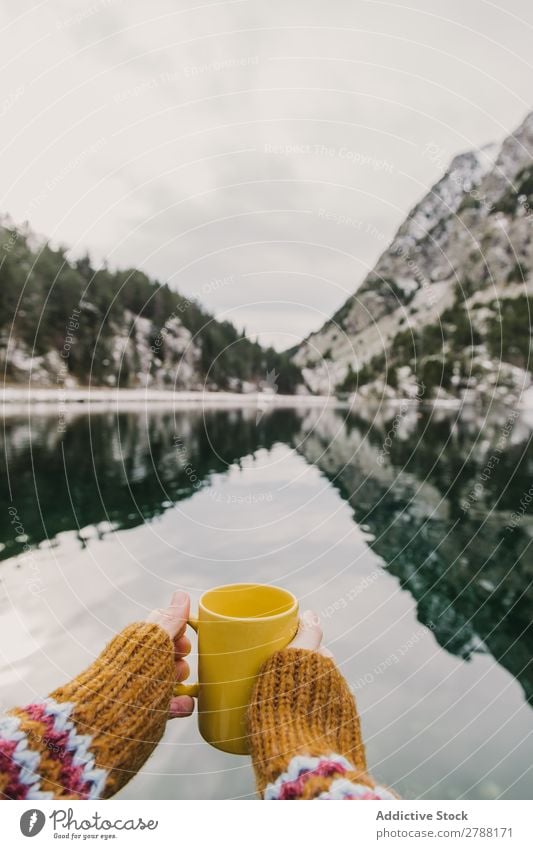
(409,530)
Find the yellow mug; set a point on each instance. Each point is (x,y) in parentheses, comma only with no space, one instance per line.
(239,626)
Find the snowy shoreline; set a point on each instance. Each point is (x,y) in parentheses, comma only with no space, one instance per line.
(65,397)
(17,398)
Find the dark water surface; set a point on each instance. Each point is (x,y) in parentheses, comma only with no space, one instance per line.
(409,530)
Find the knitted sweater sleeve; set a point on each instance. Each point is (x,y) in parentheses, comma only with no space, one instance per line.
(89,737)
(304,732)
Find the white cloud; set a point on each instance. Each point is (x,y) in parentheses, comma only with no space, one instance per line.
(205,140)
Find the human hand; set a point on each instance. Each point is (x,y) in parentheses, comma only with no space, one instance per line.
(173,620)
(309,635)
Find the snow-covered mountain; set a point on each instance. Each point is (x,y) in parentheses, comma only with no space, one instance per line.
(446,307)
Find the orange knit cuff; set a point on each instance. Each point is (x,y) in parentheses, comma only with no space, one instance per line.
(89,737)
(301,705)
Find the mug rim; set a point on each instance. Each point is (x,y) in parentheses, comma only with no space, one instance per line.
(291,609)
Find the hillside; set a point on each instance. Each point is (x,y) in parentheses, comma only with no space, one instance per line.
(66,323)
(446,310)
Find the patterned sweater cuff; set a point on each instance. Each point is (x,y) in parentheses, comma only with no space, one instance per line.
(301,705)
(326,777)
(89,737)
(41,748)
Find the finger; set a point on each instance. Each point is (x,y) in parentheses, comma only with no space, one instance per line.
(181,706)
(182,647)
(182,670)
(173,618)
(309,634)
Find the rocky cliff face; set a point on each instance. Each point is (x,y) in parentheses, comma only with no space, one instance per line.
(447,304)
(125,359)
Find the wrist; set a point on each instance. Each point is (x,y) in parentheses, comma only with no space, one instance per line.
(301,705)
(108,719)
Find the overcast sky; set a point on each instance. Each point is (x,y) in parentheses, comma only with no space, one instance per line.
(258,155)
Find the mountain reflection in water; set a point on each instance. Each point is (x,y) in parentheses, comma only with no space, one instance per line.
(432,492)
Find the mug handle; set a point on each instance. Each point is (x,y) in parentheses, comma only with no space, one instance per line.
(188,689)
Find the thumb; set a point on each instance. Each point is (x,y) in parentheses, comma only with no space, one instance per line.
(173,618)
(309,634)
